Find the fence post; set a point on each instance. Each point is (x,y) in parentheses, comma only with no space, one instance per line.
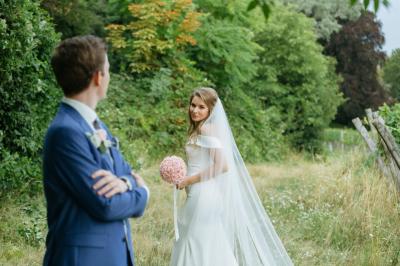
(372,146)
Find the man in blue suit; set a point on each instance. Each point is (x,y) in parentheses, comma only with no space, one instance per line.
(90,189)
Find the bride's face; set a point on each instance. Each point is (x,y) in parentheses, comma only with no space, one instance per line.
(198,109)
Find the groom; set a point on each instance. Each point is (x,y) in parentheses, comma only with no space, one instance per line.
(90,189)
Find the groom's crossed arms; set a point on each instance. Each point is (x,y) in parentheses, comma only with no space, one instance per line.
(77,164)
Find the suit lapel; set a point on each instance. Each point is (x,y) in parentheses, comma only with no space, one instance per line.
(114,157)
(86,129)
(112,150)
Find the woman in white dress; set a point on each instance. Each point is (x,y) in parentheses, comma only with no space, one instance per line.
(222,221)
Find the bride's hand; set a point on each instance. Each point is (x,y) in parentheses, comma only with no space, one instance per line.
(184,183)
(187,181)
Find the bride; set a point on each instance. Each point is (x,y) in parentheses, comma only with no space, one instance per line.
(222,221)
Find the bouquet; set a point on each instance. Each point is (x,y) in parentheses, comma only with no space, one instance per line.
(173,169)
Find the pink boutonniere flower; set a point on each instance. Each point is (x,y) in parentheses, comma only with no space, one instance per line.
(102,134)
(99,139)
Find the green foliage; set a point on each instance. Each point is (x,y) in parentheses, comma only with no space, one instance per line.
(226,52)
(118,12)
(357,49)
(257,132)
(391,115)
(377,3)
(346,136)
(32,229)
(27,94)
(167,41)
(391,73)
(156,37)
(295,78)
(151,120)
(234,10)
(77,17)
(26,42)
(19,173)
(327,14)
(265,6)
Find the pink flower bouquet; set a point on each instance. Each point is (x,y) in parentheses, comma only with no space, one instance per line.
(173,169)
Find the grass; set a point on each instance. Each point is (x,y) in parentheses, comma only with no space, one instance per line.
(332,211)
(347,136)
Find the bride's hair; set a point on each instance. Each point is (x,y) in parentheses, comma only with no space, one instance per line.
(210,97)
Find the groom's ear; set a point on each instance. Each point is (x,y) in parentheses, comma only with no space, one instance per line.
(96,78)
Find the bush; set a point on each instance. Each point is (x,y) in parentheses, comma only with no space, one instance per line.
(149,116)
(168,56)
(27,94)
(19,173)
(391,73)
(258,132)
(226,52)
(391,115)
(156,37)
(295,78)
(77,17)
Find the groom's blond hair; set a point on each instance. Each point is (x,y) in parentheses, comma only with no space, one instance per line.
(210,97)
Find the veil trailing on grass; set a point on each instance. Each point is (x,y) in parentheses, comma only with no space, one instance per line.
(228,195)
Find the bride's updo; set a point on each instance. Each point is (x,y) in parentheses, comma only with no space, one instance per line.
(210,97)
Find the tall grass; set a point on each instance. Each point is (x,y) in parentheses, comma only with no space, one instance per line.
(336,212)
(333,211)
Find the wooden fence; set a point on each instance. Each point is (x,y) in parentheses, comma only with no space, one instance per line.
(388,157)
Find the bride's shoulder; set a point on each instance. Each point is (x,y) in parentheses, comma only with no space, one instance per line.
(205,141)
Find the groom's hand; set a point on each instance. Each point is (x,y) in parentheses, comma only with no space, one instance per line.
(109,184)
(139,180)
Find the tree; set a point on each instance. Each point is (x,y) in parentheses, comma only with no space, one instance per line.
(391,73)
(214,48)
(266,5)
(327,14)
(77,17)
(366,3)
(156,37)
(226,50)
(295,78)
(27,39)
(357,48)
(27,93)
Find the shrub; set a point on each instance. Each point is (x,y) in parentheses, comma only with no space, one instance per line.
(149,116)
(27,94)
(295,78)
(391,73)
(156,37)
(391,114)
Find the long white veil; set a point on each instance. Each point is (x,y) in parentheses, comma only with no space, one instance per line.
(233,198)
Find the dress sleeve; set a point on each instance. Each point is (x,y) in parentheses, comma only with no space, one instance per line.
(208,142)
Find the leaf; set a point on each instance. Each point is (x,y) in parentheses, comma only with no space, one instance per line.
(252,5)
(353,2)
(386,3)
(376,5)
(264,4)
(366,4)
(266,10)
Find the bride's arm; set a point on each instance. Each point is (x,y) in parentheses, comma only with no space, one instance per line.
(219,166)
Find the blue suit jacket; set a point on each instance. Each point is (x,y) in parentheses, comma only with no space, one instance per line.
(84,228)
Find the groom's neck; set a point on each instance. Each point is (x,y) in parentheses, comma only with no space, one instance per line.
(88,97)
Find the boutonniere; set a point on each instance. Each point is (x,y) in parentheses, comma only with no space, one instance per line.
(99,139)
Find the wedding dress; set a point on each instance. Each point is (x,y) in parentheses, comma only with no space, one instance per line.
(222,221)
